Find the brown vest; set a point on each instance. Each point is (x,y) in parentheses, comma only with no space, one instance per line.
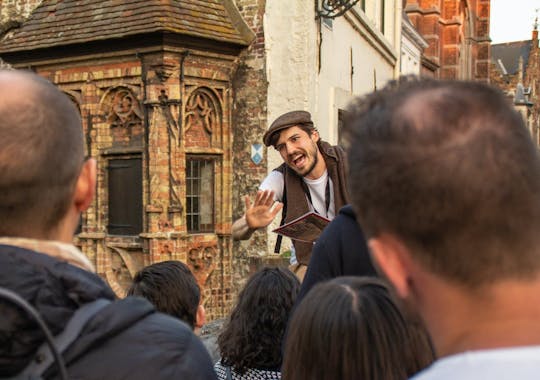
(296,203)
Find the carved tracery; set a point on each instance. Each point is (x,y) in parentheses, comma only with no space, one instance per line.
(202,261)
(123,108)
(203,111)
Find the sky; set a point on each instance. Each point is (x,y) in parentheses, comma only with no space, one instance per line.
(512,20)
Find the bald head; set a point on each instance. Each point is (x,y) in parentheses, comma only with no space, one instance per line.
(41,154)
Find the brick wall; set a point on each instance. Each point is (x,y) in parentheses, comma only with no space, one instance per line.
(458,44)
(249,124)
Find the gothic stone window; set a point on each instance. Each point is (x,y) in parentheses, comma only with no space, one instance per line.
(125,195)
(200,193)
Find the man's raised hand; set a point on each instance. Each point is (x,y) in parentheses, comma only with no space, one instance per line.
(263,210)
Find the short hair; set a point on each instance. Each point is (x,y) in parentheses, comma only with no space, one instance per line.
(171,287)
(41,155)
(352,328)
(449,168)
(253,334)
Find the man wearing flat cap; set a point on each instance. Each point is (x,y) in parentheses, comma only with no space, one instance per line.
(311,178)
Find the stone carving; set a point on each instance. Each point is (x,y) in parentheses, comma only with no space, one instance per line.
(168,106)
(203,109)
(124,108)
(163,71)
(119,269)
(202,261)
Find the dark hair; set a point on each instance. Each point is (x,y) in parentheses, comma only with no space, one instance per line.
(351,328)
(41,154)
(253,334)
(449,168)
(171,288)
(308,128)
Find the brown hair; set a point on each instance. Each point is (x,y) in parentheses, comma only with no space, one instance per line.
(41,154)
(351,328)
(448,167)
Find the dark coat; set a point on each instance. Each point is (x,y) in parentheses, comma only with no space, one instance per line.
(341,250)
(127,339)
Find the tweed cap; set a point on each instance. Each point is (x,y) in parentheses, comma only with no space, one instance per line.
(285,121)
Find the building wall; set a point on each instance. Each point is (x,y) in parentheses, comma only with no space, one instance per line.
(249,123)
(412,48)
(357,57)
(522,86)
(457,32)
(250,120)
(152,83)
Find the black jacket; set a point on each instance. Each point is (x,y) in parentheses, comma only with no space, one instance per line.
(127,339)
(341,250)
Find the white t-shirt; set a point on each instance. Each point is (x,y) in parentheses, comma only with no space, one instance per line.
(317,189)
(517,363)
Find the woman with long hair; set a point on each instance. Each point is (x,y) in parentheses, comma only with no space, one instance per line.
(251,341)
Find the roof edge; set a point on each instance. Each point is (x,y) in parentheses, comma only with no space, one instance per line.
(238,22)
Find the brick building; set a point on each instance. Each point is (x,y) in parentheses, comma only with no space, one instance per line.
(515,69)
(154,83)
(457,33)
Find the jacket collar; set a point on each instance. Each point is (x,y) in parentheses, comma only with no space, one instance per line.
(61,251)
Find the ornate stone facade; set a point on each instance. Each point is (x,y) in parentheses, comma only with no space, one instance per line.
(156,108)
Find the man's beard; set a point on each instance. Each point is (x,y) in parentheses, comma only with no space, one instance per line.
(310,169)
(315,155)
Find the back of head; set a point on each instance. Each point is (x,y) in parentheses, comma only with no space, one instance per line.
(253,334)
(449,168)
(351,328)
(171,288)
(41,154)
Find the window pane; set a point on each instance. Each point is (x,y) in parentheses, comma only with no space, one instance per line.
(200,194)
(125,196)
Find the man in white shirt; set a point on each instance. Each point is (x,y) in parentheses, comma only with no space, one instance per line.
(446,186)
(311,178)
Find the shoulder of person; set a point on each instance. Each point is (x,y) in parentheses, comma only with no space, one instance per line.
(158,345)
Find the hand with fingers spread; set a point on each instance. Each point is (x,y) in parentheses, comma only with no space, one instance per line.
(263,210)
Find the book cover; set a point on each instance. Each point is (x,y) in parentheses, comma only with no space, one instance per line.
(306,228)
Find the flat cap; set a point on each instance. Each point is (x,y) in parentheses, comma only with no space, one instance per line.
(285,121)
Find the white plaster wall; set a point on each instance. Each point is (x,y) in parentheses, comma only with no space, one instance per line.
(291,60)
(373,59)
(291,46)
(410,57)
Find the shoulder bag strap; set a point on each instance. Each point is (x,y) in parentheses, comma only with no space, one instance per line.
(277,248)
(43,357)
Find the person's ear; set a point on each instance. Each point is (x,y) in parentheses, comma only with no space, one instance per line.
(200,318)
(85,187)
(315,135)
(391,257)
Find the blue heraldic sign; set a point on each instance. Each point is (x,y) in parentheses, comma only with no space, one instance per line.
(257,153)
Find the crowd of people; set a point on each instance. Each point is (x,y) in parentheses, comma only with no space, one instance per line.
(429,269)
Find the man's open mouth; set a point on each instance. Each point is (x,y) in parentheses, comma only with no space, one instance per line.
(298,161)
